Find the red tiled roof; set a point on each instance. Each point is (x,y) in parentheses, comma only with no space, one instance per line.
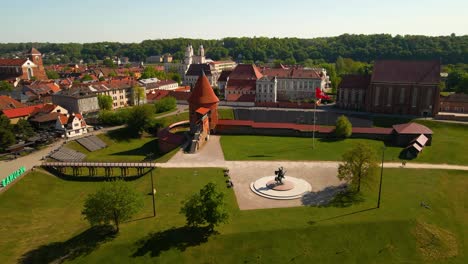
(12,62)
(398,71)
(34,51)
(355,81)
(63,119)
(412,128)
(7,102)
(20,112)
(245,72)
(45,117)
(202,110)
(372,130)
(203,92)
(294,72)
(224,75)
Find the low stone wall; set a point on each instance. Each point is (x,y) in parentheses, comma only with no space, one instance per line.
(452,117)
(168,141)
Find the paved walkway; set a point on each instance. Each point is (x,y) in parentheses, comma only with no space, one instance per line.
(320,174)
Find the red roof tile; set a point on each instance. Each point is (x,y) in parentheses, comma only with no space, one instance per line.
(398,71)
(20,112)
(245,72)
(412,128)
(7,102)
(12,62)
(202,110)
(203,92)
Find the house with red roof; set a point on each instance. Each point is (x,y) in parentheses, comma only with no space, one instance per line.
(71,125)
(241,83)
(16,114)
(6,102)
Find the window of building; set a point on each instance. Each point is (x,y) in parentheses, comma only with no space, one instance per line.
(414,99)
(377,95)
(402,95)
(390,94)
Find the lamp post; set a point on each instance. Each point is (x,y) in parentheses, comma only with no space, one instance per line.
(313,132)
(381,174)
(153,191)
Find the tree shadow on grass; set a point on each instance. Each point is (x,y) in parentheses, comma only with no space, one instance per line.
(80,245)
(331,139)
(333,196)
(179,238)
(145,149)
(123,134)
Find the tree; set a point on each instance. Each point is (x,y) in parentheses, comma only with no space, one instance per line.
(205,207)
(108,63)
(114,202)
(140,118)
(165,104)
(24,129)
(52,75)
(138,94)
(105,102)
(7,138)
(358,163)
(343,127)
(86,77)
(6,86)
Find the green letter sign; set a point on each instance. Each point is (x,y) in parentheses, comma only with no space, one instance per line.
(13,176)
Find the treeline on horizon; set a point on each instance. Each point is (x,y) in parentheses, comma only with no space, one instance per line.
(365,48)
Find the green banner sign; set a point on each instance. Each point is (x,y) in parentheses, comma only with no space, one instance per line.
(10,178)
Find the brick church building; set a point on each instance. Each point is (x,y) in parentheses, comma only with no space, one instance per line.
(28,68)
(395,87)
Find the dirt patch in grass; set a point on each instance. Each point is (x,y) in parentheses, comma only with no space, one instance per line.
(435,243)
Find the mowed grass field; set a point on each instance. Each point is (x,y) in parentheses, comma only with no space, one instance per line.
(41,223)
(293,148)
(449,146)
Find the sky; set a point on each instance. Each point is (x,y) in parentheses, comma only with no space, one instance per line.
(137,20)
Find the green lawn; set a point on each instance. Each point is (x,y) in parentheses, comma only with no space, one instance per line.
(123,149)
(293,148)
(41,222)
(449,145)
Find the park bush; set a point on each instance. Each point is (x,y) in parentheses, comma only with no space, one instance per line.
(165,104)
(114,118)
(343,127)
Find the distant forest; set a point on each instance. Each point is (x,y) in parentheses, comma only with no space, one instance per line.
(365,48)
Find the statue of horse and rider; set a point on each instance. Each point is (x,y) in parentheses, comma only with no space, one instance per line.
(280,175)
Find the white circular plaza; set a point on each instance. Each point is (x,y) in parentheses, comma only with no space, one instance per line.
(292,188)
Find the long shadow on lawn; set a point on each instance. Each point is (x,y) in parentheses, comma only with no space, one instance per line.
(148,147)
(333,196)
(179,238)
(80,245)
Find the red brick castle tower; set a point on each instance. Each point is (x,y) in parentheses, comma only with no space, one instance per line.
(36,57)
(203,111)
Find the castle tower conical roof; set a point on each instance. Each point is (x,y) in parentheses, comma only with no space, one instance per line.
(203,92)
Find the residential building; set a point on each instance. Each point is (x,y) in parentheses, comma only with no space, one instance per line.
(6,102)
(293,83)
(79,99)
(72,125)
(241,83)
(16,114)
(196,70)
(454,103)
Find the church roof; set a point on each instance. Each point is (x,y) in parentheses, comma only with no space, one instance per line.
(34,51)
(203,92)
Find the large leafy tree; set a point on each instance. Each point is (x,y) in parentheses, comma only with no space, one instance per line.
(105,102)
(138,94)
(343,127)
(205,207)
(358,163)
(24,129)
(165,104)
(140,118)
(113,203)
(52,75)
(6,86)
